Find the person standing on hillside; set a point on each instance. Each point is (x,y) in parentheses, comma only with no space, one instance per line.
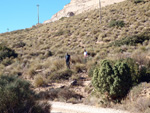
(85,56)
(68,60)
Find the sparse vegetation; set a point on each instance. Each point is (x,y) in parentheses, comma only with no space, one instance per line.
(62,94)
(60,75)
(123,33)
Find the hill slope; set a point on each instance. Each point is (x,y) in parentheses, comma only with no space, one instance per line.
(79,6)
(82,31)
(41,49)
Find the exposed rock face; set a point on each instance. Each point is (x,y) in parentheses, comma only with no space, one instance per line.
(79,6)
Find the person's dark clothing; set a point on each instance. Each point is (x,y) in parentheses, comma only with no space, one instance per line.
(67,58)
(68,61)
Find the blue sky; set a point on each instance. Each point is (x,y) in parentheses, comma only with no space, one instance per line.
(21,14)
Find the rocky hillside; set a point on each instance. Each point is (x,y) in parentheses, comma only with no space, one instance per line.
(82,31)
(37,53)
(79,6)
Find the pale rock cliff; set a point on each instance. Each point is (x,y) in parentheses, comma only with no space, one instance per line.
(79,6)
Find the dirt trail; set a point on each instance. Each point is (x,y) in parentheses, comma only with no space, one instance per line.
(60,107)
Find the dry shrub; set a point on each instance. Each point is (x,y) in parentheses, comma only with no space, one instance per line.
(135,91)
(94,98)
(48,62)
(45,106)
(31,72)
(44,95)
(119,56)
(62,74)
(141,58)
(50,94)
(48,53)
(77,59)
(7,61)
(79,67)
(73,100)
(142,104)
(39,81)
(91,63)
(57,64)
(135,102)
(38,66)
(65,94)
(61,94)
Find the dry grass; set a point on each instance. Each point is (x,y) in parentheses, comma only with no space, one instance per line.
(58,64)
(79,68)
(39,81)
(142,105)
(59,75)
(41,49)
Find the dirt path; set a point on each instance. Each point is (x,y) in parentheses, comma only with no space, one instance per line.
(60,107)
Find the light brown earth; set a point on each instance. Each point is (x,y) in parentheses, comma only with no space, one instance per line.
(60,107)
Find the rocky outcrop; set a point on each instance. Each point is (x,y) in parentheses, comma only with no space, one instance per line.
(79,6)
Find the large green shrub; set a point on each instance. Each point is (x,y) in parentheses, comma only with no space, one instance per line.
(102,77)
(6,52)
(17,97)
(122,80)
(113,81)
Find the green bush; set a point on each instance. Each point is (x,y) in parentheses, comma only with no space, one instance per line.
(117,23)
(114,81)
(132,40)
(16,96)
(101,76)
(122,79)
(91,70)
(6,52)
(137,73)
(146,78)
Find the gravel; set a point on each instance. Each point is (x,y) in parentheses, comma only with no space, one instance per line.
(60,107)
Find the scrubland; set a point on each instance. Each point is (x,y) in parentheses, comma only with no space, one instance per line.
(37,54)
